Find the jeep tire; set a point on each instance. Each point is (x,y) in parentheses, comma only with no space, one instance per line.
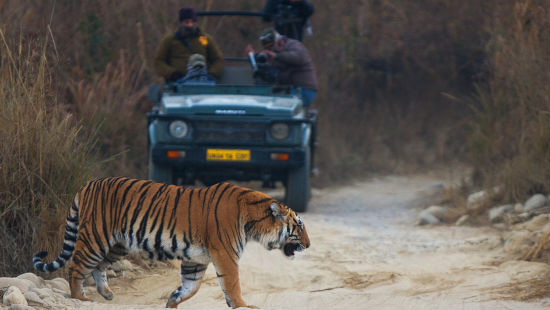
(298,189)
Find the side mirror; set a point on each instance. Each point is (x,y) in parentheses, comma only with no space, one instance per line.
(154,93)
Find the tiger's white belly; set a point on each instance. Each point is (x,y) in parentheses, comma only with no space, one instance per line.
(198,255)
(186,252)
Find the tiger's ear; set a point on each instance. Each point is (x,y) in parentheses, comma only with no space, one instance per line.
(278,211)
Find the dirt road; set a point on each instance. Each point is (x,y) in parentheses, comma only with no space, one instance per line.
(366,253)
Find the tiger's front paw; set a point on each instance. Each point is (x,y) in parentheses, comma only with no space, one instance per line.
(174,299)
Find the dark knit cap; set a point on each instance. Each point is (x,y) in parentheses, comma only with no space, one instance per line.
(187,13)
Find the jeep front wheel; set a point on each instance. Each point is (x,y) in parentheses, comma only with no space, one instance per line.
(297,190)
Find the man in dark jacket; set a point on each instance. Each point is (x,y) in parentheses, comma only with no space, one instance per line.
(290,16)
(172,56)
(293,63)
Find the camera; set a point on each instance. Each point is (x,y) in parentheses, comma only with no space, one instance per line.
(261,58)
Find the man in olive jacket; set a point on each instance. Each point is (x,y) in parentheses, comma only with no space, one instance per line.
(173,53)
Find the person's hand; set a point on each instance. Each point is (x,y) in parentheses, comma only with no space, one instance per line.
(249,49)
(269,53)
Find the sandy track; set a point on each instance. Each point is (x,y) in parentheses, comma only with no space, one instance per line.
(366,253)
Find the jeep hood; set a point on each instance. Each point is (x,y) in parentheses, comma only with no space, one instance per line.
(231,105)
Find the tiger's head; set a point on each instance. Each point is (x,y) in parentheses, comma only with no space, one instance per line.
(284,230)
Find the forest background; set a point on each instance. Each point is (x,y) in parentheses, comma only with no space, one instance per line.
(404,86)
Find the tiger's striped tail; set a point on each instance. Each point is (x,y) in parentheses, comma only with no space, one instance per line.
(71,230)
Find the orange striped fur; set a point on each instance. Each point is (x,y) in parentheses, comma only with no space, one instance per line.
(112,217)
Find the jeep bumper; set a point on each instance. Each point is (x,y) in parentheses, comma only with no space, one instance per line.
(179,156)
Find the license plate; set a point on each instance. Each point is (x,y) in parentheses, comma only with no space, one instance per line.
(227,155)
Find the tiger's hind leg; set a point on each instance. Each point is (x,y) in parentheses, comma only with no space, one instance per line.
(191,276)
(100,276)
(90,258)
(85,261)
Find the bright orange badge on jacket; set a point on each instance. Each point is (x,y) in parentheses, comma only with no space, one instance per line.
(203,40)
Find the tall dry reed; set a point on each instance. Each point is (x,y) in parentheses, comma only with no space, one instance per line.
(43,160)
(510,143)
(111,106)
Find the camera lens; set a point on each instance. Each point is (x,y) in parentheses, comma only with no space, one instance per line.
(261,57)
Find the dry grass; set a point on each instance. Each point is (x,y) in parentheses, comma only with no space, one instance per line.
(527,290)
(510,144)
(44,158)
(538,249)
(112,106)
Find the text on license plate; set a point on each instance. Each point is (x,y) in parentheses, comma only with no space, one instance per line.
(227,155)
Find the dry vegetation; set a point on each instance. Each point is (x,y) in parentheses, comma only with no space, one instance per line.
(397,83)
(510,143)
(45,157)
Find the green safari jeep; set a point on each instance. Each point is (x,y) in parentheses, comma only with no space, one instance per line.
(239,129)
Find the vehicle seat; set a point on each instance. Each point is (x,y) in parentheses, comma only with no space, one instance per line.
(237,75)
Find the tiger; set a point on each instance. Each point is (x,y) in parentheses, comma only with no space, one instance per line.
(112,217)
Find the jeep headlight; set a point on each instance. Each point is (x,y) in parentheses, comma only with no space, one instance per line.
(178,129)
(279,131)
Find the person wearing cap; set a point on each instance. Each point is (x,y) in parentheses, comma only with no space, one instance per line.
(172,55)
(292,61)
(289,16)
(196,71)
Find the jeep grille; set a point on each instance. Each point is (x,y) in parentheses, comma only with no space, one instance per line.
(229,132)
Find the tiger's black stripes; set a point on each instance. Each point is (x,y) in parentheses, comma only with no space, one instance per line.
(249,225)
(158,245)
(238,226)
(216,216)
(174,244)
(172,223)
(186,248)
(124,221)
(207,205)
(192,269)
(219,233)
(155,211)
(89,255)
(134,218)
(260,201)
(106,225)
(116,222)
(158,211)
(189,205)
